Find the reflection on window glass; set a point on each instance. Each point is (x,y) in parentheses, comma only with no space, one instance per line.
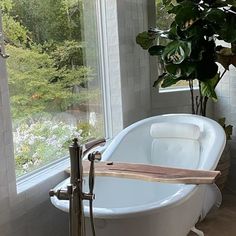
(55,96)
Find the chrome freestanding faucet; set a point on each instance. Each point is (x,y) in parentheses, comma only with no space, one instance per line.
(74,192)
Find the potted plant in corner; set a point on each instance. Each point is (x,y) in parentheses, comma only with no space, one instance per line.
(190,52)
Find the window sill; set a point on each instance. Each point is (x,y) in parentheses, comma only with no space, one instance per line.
(171,90)
(54,170)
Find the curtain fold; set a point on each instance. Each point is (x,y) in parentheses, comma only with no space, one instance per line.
(7,172)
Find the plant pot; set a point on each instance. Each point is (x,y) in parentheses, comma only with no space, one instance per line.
(223,166)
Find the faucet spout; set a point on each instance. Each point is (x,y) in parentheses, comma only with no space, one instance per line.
(94,143)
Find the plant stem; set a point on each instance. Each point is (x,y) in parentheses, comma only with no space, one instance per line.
(205,105)
(197,104)
(200,98)
(192,95)
(221,77)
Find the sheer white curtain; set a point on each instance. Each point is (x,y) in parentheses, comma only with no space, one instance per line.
(29,212)
(26,212)
(7,172)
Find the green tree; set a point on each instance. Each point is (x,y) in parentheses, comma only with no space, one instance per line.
(37,86)
(6,5)
(14,32)
(49,19)
(68,55)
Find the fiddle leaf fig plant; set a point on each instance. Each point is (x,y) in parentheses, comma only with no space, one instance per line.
(190,52)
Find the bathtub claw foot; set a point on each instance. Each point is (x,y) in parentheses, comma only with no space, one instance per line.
(197,231)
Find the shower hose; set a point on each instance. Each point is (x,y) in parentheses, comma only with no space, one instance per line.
(91,158)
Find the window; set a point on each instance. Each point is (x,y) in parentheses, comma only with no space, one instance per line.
(54,82)
(164,20)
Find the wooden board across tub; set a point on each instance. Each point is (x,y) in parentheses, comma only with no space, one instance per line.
(151,173)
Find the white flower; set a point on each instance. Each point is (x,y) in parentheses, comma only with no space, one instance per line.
(25,166)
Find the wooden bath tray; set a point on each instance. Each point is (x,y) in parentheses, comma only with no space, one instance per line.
(151,173)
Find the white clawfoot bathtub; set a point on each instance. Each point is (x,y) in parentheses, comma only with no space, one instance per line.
(125,207)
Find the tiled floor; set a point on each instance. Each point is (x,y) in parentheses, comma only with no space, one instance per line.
(223,221)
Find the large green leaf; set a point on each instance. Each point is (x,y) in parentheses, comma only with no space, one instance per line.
(216,16)
(166,2)
(227,29)
(223,23)
(169,80)
(159,80)
(206,70)
(214,81)
(176,52)
(216,3)
(187,14)
(156,50)
(174,9)
(172,34)
(145,39)
(173,69)
(208,91)
(208,87)
(185,69)
(195,31)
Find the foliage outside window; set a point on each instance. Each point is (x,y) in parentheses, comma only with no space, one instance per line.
(54,95)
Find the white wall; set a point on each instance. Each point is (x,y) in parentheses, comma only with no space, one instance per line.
(42,220)
(170,102)
(226,107)
(134,61)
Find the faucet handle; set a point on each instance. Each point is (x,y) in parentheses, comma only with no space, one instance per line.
(95,156)
(61,194)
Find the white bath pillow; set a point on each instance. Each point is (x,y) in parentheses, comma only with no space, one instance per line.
(175,152)
(175,130)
